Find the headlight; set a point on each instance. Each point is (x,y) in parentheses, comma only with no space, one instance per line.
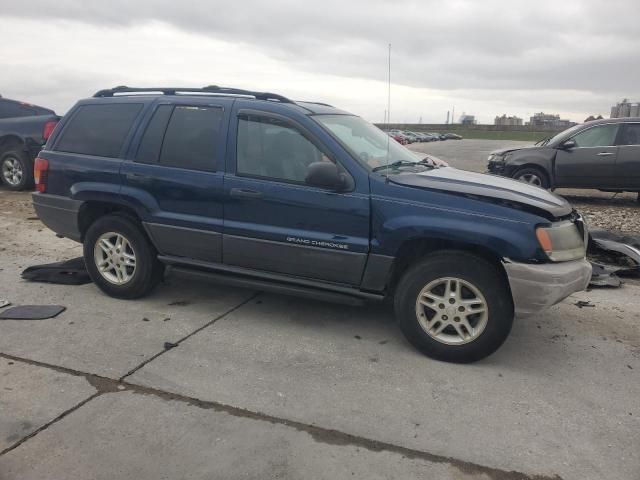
(495,157)
(561,242)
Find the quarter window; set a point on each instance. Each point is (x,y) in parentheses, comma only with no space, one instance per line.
(600,136)
(270,148)
(98,129)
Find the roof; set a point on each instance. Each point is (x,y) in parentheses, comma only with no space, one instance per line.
(214,90)
(613,120)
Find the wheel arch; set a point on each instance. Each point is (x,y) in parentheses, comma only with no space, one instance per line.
(413,250)
(11,140)
(92,210)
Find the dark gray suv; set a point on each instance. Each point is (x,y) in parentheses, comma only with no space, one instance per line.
(603,154)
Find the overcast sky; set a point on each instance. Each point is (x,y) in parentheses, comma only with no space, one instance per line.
(572,57)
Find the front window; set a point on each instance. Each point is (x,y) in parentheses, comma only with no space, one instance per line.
(600,136)
(366,142)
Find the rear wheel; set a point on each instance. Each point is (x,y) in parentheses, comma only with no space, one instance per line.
(16,170)
(532,176)
(454,306)
(120,259)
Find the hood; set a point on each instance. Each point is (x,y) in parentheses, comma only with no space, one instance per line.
(489,187)
(502,151)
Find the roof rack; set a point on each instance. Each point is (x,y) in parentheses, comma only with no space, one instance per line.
(317,103)
(211,89)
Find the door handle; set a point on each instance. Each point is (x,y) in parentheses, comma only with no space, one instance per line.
(245,193)
(605,154)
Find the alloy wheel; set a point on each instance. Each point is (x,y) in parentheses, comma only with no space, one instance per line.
(115,258)
(12,171)
(531,178)
(452,311)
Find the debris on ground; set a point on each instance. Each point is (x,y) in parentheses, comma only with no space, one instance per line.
(583,303)
(604,276)
(68,272)
(4,303)
(612,254)
(168,345)
(32,312)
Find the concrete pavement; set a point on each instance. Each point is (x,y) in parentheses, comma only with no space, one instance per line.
(266,386)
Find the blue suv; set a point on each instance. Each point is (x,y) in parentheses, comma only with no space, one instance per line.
(303,198)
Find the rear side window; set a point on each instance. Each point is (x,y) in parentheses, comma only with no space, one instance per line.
(191,138)
(99,129)
(630,134)
(151,143)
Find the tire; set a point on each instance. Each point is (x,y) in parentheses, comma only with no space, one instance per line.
(16,170)
(472,275)
(129,281)
(533,176)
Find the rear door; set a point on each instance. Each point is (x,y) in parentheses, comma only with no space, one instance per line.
(274,222)
(591,164)
(176,175)
(628,160)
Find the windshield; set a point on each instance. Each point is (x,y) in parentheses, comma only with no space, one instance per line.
(366,142)
(561,136)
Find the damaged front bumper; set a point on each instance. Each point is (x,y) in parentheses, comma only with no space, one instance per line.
(536,287)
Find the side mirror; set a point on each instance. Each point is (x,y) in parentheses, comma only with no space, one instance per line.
(326,175)
(568,144)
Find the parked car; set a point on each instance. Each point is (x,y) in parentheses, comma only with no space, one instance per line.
(24,128)
(401,133)
(430,137)
(401,139)
(438,136)
(452,136)
(423,137)
(301,198)
(603,154)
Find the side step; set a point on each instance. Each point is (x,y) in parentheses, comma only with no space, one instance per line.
(272,282)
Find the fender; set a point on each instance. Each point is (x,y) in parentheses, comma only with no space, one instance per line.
(539,157)
(137,200)
(503,239)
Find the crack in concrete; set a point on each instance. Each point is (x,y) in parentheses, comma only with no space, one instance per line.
(197,330)
(105,385)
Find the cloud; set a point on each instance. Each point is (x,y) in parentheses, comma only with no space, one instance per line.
(576,56)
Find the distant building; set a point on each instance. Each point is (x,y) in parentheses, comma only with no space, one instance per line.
(549,120)
(625,109)
(505,121)
(468,119)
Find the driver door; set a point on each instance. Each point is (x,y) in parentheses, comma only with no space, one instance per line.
(274,222)
(591,163)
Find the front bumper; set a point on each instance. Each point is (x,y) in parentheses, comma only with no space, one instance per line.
(496,167)
(536,287)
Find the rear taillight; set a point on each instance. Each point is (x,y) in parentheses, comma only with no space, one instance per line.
(41,174)
(48,129)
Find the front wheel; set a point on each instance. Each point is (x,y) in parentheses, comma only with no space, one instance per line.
(120,259)
(454,306)
(532,176)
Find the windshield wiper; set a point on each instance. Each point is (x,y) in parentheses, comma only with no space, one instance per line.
(396,164)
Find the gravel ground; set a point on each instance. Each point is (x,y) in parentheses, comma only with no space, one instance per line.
(609,211)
